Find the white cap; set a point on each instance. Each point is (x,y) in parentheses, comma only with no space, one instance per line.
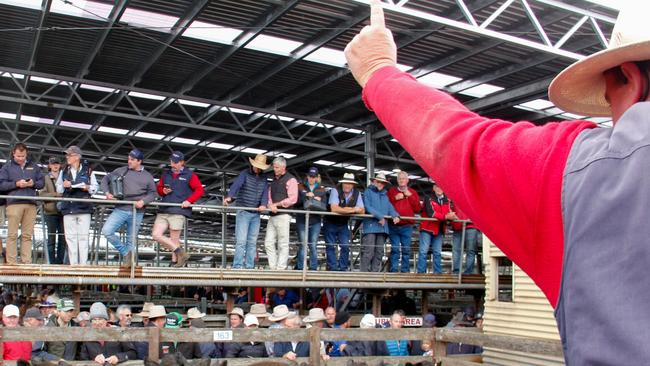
(10,310)
(250,319)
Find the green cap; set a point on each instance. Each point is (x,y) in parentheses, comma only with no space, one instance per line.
(65,305)
(174,320)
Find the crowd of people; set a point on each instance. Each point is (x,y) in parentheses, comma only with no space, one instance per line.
(254,192)
(61,312)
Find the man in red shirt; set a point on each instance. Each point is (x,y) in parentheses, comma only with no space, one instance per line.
(16,350)
(407,203)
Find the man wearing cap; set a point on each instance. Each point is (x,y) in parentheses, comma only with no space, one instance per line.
(436,205)
(336,348)
(48,307)
(53,218)
(250,189)
(345,199)
(15,350)
(20,177)
(82,319)
(178,184)
(65,312)
(363,348)
(283,194)
(312,197)
(407,203)
(565,201)
(206,349)
(247,349)
(105,352)
(76,181)
(235,318)
(137,186)
(34,319)
(375,229)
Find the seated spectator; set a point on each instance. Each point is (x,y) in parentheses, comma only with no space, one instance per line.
(286,297)
(206,349)
(242,296)
(336,348)
(124,315)
(280,313)
(291,350)
(157,318)
(82,319)
(236,318)
(363,348)
(14,350)
(34,319)
(189,350)
(330,315)
(103,352)
(259,311)
(247,349)
(395,347)
(316,318)
(65,312)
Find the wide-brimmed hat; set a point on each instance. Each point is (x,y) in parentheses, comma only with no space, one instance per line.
(279,312)
(237,311)
(348,178)
(157,311)
(315,315)
(146,307)
(259,162)
(580,88)
(380,177)
(259,310)
(195,313)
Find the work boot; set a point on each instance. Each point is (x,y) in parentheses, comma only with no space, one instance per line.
(181,259)
(128,258)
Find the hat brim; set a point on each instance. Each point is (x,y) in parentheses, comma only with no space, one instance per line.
(307,319)
(580,88)
(347,181)
(198,316)
(380,180)
(265,315)
(258,165)
(275,319)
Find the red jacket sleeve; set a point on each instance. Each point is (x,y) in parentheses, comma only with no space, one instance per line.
(414,200)
(160,187)
(197,189)
(506,176)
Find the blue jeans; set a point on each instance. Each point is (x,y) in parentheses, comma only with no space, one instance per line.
(471,243)
(314,231)
(247,228)
(428,239)
(335,233)
(400,237)
(114,222)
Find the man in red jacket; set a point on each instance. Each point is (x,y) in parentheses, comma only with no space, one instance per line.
(407,203)
(436,205)
(567,202)
(15,350)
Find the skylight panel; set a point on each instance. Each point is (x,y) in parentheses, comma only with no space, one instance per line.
(47,121)
(117,131)
(183,140)
(7,115)
(327,56)
(240,111)
(324,162)
(9,75)
(142,18)
(30,4)
(39,79)
(313,123)
(217,145)
(481,91)
(193,103)
(355,131)
(355,167)
(211,32)
(572,116)
(82,9)
(149,135)
(96,88)
(538,104)
(612,4)
(277,45)
(146,96)
(438,80)
(82,126)
(252,150)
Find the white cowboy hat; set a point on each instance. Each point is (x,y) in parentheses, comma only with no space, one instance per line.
(315,315)
(279,312)
(259,162)
(580,88)
(157,311)
(381,178)
(348,178)
(195,313)
(259,310)
(237,311)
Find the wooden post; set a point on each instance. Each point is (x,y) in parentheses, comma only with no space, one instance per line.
(425,301)
(230,302)
(154,344)
(376,304)
(314,346)
(77,298)
(439,349)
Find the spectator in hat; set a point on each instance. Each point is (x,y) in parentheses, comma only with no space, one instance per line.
(291,350)
(66,350)
(178,184)
(280,312)
(437,206)
(283,194)
(14,350)
(363,348)
(317,318)
(76,181)
(34,319)
(54,221)
(345,199)
(336,348)
(259,311)
(250,189)
(143,315)
(312,197)
(20,177)
(105,352)
(418,347)
(48,307)
(82,319)
(205,349)
(137,186)
(407,203)
(236,317)
(247,349)
(375,229)
(157,318)
(195,313)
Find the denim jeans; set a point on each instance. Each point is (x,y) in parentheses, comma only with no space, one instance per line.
(55,240)
(428,239)
(335,233)
(114,222)
(314,231)
(400,240)
(471,241)
(247,228)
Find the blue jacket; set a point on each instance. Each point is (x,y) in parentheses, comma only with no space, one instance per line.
(12,172)
(282,348)
(250,189)
(377,205)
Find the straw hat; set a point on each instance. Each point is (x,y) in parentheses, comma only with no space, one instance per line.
(315,315)
(157,311)
(195,313)
(348,178)
(580,88)
(145,310)
(259,310)
(279,312)
(237,311)
(259,162)
(380,177)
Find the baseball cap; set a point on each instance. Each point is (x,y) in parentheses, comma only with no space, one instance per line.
(73,150)
(176,156)
(313,172)
(429,321)
(10,310)
(136,154)
(33,313)
(65,305)
(341,317)
(251,319)
(54,160)
(173,320)
(82,316)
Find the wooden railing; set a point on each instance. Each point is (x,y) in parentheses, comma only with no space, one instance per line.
(439,336)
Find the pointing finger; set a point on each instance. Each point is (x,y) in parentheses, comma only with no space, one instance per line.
(377,14)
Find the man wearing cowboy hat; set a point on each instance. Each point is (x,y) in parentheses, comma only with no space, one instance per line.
(565,201)
(345,199)
(250,189)
(375,229)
